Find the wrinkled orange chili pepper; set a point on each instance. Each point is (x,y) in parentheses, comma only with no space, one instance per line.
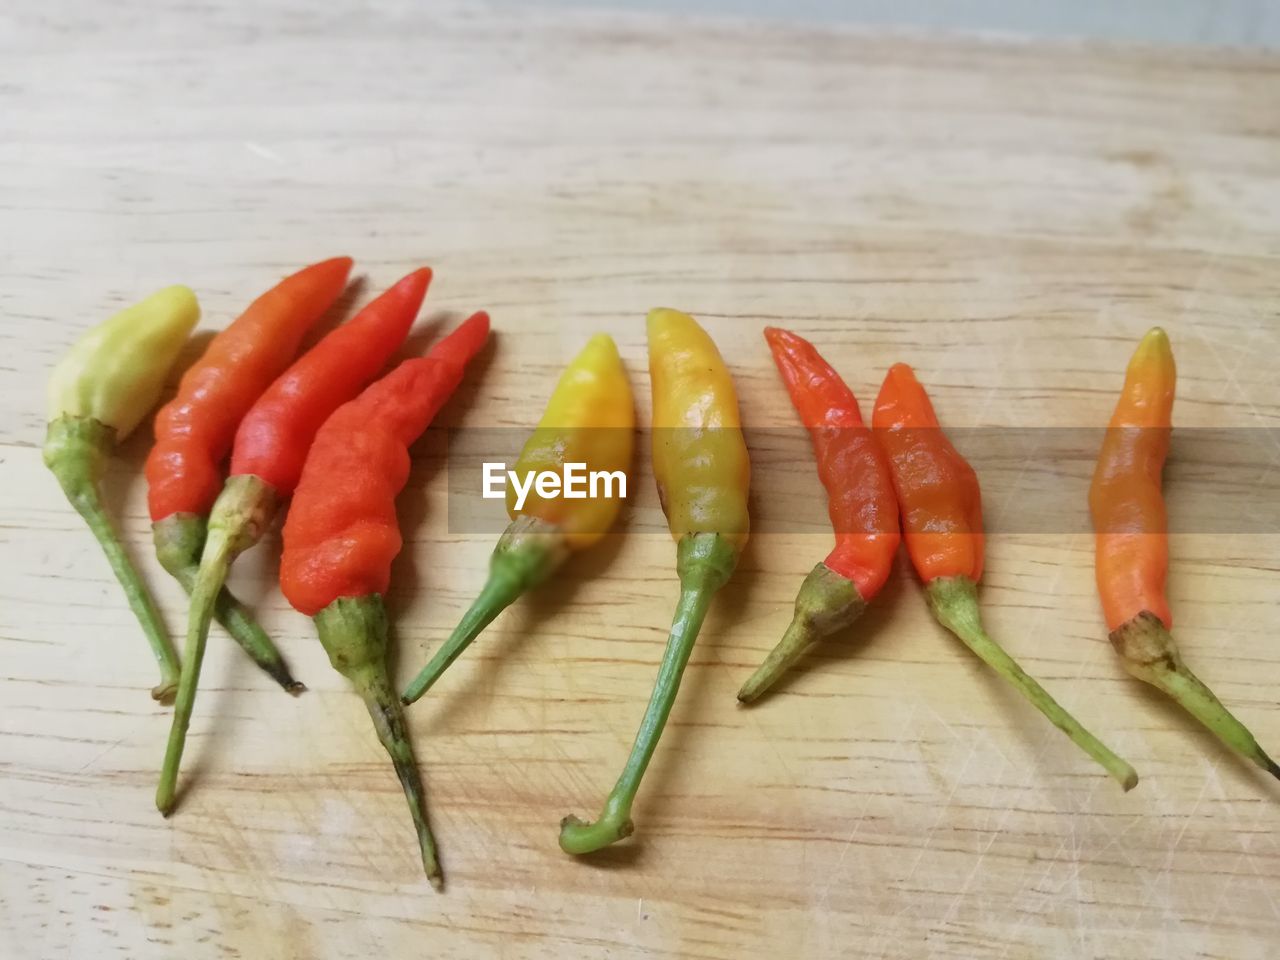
(1132,560)
(941,508)
(341,535)
(861,502)
(194,432)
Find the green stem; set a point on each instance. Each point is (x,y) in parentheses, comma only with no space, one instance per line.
(75,450)
(214,565)
(705,562)
(528,552)
(827,602)
(179,540)
(954,601)
(354,633)
(499,592)
(1150,654)
(240,516)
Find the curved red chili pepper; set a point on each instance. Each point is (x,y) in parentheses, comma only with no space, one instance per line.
(341,532)
(341,536)
(275,436)
(194,431)
(860,501)
(938,490)
(852,467)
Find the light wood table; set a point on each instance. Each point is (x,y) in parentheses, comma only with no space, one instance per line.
(1009,217)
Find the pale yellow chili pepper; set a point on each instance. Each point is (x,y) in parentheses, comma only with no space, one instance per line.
(98,394)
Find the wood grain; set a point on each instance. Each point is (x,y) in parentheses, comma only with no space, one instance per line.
(1007,216)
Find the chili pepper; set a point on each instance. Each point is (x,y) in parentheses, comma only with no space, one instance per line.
(590,420)
(340,536)
(941,508)
(701,466)
(860,501)
(1132,540)
(266,461)
(100,391)
(195,430)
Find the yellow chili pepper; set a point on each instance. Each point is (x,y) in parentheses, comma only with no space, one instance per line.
(700,463)
(98,394)
(589,421)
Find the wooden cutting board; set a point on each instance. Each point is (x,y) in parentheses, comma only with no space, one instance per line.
(1007,216)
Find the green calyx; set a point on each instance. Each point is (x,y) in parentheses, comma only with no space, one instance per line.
(705,561)
(528,552)
(353,631)
(76,451)
(242,514)
(826,603)
(179,542)
(1150,654)
(954,601)
(76,448)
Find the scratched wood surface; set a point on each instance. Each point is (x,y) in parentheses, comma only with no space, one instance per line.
(1007,216)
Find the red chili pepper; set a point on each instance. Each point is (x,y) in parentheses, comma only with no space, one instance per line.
(341,535)
(195,430)
(938,491)
(275,436)
(270,447)
(941,508)
(860,501)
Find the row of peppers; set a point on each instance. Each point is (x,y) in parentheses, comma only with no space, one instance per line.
(322,432)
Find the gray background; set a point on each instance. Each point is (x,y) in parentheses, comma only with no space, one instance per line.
(1243,23)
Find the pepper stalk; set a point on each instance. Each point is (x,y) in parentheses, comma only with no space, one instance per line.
(528,552)
(826,603)
(1149,653)
(704,563)
(353,631)
(204,582)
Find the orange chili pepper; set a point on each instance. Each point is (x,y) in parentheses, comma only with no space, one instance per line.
(194,432)
(1132,559)
(861,502)
(938,492)
(941,507)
